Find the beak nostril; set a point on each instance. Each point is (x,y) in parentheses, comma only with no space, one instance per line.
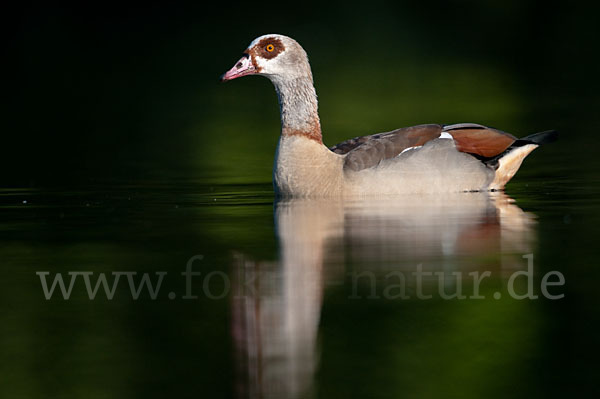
(241,68)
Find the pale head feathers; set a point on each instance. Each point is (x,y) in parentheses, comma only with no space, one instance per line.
(279,57)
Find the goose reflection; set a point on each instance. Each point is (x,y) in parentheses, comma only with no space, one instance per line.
(277,304)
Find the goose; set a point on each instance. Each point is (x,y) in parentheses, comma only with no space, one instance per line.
(423,159)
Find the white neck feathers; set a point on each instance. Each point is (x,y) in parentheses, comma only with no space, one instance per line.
(298,106)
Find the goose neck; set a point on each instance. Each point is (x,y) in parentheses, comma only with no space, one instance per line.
(298,107)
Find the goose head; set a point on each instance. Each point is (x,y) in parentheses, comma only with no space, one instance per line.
(277,57)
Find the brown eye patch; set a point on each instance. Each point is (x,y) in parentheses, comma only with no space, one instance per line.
(269,48)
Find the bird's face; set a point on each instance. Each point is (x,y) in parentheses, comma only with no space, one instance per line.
(273,56)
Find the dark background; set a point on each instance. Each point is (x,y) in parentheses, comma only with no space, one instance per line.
(112,92)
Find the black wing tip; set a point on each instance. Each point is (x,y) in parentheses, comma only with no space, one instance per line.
(546,137)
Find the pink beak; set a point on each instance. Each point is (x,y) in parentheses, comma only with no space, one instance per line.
(242,68)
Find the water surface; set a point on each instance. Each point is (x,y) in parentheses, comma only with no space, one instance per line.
(298,298)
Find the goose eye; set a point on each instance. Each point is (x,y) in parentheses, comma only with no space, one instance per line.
(270,48)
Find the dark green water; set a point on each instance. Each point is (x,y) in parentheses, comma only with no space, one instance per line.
(301,298)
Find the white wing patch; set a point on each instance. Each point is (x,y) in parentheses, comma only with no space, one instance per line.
(443,135)
(410,148)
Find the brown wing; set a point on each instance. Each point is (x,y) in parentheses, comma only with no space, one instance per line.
(479,140)
(367,151)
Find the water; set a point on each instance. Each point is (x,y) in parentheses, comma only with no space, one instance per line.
(299,298)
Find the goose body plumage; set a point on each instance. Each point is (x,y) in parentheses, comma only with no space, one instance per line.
(427,159)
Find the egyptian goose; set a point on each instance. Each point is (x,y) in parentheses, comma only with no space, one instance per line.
(420,159)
